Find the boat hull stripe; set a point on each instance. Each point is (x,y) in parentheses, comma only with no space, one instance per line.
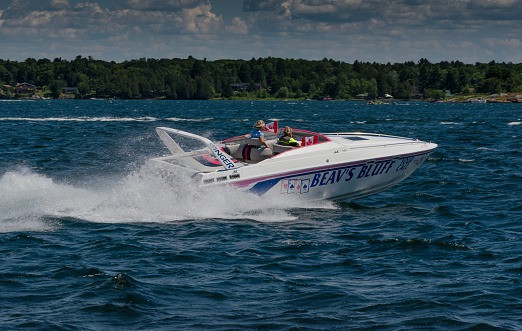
(263,184)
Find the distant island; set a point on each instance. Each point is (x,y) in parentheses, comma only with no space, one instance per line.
(260,79)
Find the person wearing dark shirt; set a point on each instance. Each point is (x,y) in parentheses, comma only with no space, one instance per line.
(286,139)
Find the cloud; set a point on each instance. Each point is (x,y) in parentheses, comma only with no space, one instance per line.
(381,22)
(161,5)
(90,19)
(495,3)
(238,26)
(379,30)
(342,11)
(59,5)
(200,19)
(17,9)
(513,42)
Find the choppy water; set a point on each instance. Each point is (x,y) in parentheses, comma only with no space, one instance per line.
(91,238)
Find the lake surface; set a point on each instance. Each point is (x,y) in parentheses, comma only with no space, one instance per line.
(91,238)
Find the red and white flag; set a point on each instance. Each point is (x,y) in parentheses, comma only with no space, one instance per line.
(309,140)
(271,126)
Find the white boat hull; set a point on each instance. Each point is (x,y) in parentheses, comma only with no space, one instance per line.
(341,166)
(345,182)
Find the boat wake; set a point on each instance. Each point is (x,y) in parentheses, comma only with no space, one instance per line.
(33,202)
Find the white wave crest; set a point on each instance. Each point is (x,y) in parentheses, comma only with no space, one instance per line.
(103,119)
(81,119)
(176,119)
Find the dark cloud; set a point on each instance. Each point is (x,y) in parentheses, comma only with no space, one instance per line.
(268,5)
(59,5)
(169,5)
(358,10)
(16,10)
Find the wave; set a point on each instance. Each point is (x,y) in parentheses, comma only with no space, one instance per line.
(102,119)
(33,202)
(488,149)
(175,119)
(514,123)
(80,119)
(422,243)
(18,100)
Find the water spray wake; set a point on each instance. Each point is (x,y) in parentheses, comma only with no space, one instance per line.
(27,199)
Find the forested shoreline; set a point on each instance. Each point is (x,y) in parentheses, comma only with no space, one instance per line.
(273,78)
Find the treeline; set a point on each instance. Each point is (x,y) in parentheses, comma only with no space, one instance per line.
(279,78)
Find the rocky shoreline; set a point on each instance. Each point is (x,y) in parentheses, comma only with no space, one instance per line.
(493,98)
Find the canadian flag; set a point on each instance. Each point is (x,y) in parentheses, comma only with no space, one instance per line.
(309,140)
(271,126)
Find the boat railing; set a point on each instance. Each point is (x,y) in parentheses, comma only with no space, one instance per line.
(367,134)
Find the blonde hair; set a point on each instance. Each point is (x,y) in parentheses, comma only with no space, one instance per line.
(260,125)
(287,131)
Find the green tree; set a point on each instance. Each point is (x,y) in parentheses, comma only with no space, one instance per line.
(203,89)
(57,87)
(283,92)
(84,88)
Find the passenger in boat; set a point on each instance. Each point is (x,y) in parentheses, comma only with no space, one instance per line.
(257,132)
(286,139)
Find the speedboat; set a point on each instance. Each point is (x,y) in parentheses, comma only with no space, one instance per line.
(338,166)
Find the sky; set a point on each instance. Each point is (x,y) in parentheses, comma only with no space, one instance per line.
(379,31)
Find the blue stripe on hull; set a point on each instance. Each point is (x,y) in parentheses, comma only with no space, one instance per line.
(262,187)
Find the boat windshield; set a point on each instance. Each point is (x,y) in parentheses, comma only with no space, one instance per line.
(193,151)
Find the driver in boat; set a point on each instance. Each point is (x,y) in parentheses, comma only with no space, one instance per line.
(257,133)
(286,139)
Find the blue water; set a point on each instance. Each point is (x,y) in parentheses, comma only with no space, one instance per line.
(92,238)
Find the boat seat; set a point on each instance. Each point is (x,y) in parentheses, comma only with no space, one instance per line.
(252,141)
(248,152)
(281,148)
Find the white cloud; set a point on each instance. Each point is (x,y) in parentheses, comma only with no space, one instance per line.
(59,4)
(91,17)
(513,42)
(201,19)
(238,26)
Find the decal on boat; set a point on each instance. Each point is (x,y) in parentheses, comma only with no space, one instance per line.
(303,184)
(405,163)
(221,155)
(291,186)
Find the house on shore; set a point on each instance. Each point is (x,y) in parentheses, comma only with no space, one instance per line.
(238,87)
(25,88)
(70,90)
(365,96)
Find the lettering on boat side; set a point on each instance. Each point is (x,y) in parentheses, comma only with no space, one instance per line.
(347,174)
(418,160)
(334,176)
(405,163)
(303,185)
(226,161)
